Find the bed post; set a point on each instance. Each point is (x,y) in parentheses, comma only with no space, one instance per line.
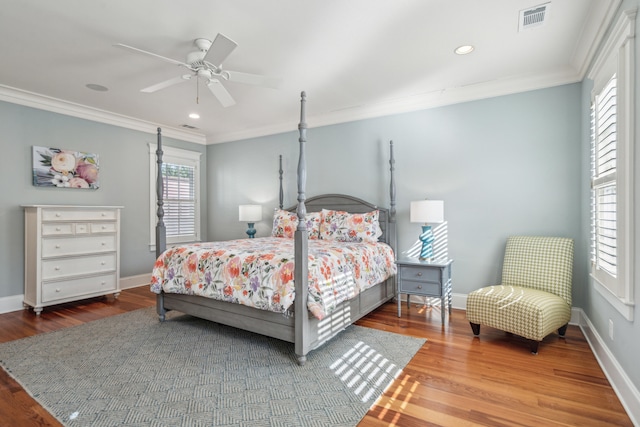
(301,248)
(161,231)
(392,203)
(281,190)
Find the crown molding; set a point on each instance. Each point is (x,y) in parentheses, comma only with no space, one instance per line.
(595,27)
(42,102)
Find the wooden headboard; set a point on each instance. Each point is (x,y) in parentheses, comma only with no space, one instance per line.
(341,202)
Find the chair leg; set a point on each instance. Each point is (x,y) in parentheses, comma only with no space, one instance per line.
(563,330)
(475,327)
(534,346)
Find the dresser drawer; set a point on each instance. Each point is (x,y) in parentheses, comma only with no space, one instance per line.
(78,245)
(76,288)
(78,214)
(57,268)
(420,288)
(56,229)
(103,227)
(420,273)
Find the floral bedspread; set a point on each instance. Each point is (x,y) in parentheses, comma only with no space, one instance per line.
(259,272)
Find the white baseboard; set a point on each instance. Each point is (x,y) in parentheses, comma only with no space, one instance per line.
(135,281)
(14,302)
(626,391)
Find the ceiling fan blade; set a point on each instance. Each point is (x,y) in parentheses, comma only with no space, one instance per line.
(221,47)
(166,83)
(144,52)
(253,79)
(221,93)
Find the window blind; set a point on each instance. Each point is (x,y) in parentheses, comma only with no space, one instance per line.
(604,185)
(179,199)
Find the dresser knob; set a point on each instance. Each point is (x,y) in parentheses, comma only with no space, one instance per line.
(103,283)
(57,268)
(58,214)
(104,227)
(57,246)
(57,289)
(420,287)
(420,274)
(58,228)
(102,263)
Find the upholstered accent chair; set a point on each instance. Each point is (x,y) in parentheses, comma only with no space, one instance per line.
(534,297)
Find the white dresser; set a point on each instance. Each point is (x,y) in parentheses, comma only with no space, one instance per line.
(71,253)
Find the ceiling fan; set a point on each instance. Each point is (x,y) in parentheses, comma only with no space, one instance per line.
(206,63)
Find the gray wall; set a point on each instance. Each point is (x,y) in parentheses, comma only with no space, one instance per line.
(124,181)
(506,165)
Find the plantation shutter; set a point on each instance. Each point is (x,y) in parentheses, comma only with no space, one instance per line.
(604,181)
(179,200)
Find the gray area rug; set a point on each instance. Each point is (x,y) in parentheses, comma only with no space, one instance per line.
(132,370)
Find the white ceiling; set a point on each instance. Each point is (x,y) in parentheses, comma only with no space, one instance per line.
(354,58)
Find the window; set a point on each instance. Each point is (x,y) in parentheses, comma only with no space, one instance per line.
(612,136)
(181,183)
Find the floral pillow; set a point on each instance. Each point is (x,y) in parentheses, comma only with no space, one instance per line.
(285,224)
(347,227)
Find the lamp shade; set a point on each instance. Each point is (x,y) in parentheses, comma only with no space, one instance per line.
(250,213)
(427,211)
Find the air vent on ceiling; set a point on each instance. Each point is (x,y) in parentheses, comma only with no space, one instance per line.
(534,17)
(188,126)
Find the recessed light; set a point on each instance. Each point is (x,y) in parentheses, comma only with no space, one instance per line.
(464,50)
(194,116)
(96,87)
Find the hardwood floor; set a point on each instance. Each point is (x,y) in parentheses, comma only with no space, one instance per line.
(454,380)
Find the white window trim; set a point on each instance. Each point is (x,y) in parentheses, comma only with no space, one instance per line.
(618,55)
(177,156)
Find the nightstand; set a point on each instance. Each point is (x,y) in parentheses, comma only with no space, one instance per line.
(425,278)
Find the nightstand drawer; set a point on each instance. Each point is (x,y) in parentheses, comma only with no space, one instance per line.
(420,288)
(420,273)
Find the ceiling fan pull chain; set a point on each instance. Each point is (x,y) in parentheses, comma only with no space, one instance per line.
(197,90)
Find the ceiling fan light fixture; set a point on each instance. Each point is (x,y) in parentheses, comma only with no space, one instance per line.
(203,72)
(464,49)
(194,116)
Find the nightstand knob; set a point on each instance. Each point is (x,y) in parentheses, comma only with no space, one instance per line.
(57,289)
(57,268)
(57,246)
(420,287)
(58,229)
(420,273)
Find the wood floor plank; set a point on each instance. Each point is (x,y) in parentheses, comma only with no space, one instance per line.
(453,380)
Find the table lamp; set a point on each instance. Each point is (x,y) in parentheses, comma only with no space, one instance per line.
(250,214)
(427,212)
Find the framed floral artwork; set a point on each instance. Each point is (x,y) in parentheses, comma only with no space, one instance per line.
(55,167)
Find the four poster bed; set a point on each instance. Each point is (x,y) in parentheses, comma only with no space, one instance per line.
(343,250)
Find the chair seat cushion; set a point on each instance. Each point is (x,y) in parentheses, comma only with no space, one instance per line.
(530,313)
